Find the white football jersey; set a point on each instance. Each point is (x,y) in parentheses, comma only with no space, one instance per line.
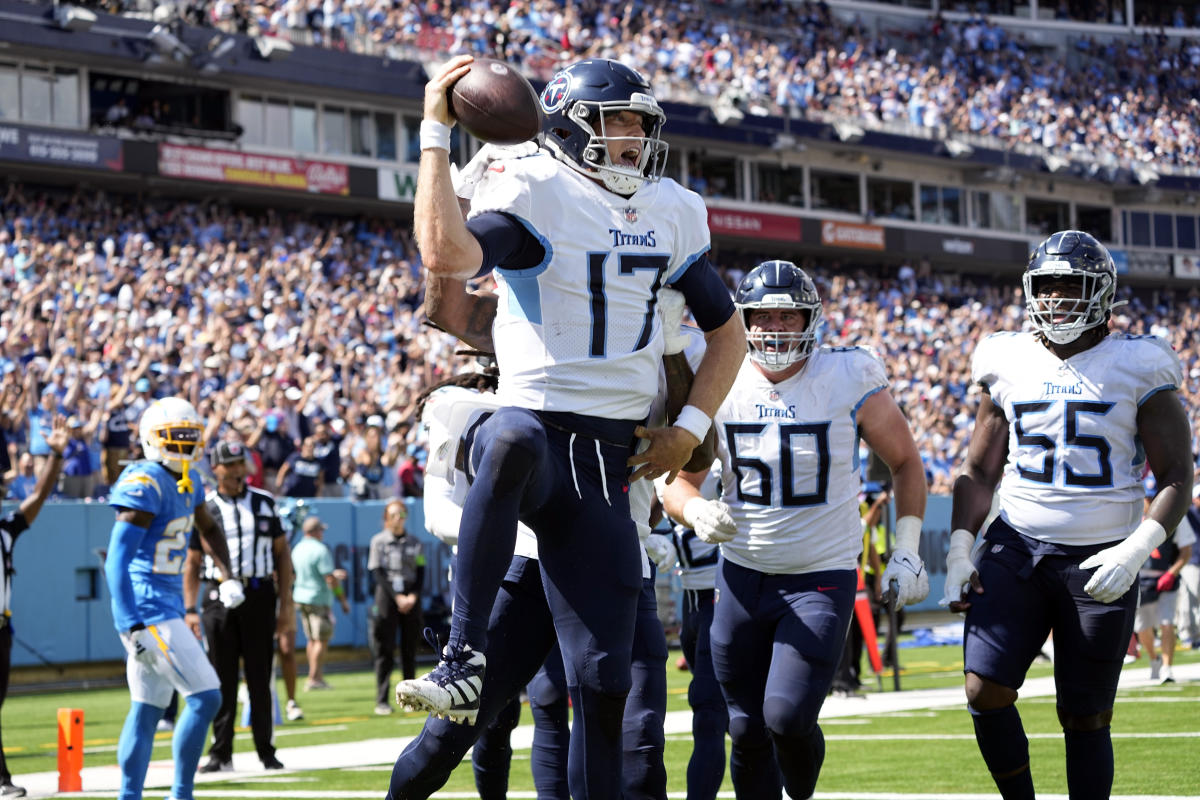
(448,415)
(790,457)
(1074,460)
(578,333)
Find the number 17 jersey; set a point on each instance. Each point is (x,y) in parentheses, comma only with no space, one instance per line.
(1075,461)
(578,332)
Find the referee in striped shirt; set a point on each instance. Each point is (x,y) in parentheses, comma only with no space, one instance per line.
(259,557)
(12,525)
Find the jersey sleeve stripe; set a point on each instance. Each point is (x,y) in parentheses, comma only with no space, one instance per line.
(1166,387)
(687,262)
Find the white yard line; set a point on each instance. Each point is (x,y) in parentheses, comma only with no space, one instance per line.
(105,780)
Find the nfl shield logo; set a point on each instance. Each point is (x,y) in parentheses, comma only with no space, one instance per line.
(630,214)
(774,395)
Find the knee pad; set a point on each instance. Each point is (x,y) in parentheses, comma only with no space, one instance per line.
(786,718)
(748,735)
(205,704)
(1084,723)
(610,712)
(984,695)
(545,692)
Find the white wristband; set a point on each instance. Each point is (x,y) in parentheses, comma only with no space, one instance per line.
(435,135)
(908,533)
(961,542)
(1149,534)
(694,421)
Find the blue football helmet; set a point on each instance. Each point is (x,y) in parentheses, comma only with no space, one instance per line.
(779,284)
(576,101)
(1077,256)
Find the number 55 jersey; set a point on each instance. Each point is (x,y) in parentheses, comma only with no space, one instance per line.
(1075,462)
(790,457)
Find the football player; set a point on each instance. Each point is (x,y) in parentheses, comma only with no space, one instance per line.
(710,719)
(788,525)
(158,501)
(581,234)
(522,624)
(1069,418)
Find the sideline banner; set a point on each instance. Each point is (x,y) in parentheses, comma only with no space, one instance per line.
(51,146)
(252,169)
(755,225)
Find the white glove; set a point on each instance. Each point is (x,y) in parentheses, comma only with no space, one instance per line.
(670,312)
(468,178)
(959,567)
(710,520)
(141,645)
(231,593)
(905,566)
(661,551)
(1118,566)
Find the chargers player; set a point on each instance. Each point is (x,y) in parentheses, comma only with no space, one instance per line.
(158,501)
(1074,416)
(581,236)
(788,525)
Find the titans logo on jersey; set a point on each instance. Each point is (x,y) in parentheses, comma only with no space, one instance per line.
(1074,460)
(790,452)
(158,563)
(593,296)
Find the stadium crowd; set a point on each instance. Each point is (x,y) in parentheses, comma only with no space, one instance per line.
(1113,103)
(303,338)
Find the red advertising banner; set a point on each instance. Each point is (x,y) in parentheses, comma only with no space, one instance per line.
(774,227)
(252,169)
(852,234)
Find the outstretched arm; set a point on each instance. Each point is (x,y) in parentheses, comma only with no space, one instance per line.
(57,441)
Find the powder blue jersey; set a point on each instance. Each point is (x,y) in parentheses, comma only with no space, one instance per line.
(156,566)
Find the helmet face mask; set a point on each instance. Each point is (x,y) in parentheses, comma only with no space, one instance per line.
(578,102)
(779,285)
(1071,257)
(171,433)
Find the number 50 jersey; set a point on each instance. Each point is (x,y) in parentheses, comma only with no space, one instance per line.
(578,332)
(1075,462)
(790,457)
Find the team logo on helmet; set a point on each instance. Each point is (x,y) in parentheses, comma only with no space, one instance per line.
(555,93)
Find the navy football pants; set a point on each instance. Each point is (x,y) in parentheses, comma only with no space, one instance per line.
(564,476)
(776,642)
(1027,597)
(521,631)
(710,720)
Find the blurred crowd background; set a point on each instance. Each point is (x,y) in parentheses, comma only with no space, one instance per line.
(303,338)
(1119,103)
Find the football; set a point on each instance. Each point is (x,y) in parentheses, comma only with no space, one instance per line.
(495,103)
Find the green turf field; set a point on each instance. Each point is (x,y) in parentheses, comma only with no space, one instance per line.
(1156,729)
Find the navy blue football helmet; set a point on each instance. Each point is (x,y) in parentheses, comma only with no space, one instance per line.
(779,284)
(576,101)
(1072,255)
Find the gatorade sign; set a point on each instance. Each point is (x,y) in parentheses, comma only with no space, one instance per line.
(852,234)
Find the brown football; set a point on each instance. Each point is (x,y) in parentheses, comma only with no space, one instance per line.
(495,103)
